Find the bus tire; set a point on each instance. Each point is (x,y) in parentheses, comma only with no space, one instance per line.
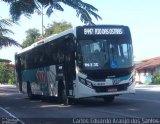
(62,96)
(108,99)
(61,92)
(29,91)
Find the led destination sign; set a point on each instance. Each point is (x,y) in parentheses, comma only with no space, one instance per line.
(102,31)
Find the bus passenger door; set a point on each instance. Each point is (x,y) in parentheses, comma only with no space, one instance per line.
(69,66)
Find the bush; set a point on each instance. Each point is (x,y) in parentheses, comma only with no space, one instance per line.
(156,79)
(12,79)
(7,75)
(4,73)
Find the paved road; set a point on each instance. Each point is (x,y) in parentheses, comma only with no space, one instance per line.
(144,104)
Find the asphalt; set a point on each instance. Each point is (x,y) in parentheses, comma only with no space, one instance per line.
(143,104)
(138,86)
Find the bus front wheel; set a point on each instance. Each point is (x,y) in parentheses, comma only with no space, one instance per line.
(62,96)
(61,92)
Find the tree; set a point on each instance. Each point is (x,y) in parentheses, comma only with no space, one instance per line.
(4,40)
(32,37)
(5,60)
(7,73)
(12,78)
(156,79)
(4,73)
(28,7)
(56,27)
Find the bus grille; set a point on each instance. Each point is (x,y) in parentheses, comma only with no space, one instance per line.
(115,88)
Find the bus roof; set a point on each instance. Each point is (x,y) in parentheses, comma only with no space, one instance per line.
(55,36)
(48,39)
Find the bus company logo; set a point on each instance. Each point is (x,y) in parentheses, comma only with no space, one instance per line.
(116,81)
(41,76)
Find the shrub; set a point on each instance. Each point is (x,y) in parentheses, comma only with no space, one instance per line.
(7,75)
(12,79)
(4,73)
(156,79)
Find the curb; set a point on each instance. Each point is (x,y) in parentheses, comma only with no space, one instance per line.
(145,85)
(148,87)
(7,85)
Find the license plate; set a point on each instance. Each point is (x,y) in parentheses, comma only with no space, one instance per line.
(112,89)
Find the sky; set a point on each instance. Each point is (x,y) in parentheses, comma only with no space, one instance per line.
(142,17)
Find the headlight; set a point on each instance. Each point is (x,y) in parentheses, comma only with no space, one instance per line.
(89,84)
(85,82)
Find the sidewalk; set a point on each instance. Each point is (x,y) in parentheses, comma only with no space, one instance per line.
(7,85)
(148,87)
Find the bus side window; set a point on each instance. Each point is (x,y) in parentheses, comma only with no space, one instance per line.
(79,57)
(36,60)
(60,56)
(22,59)
(47,57)
(54,58)
(26,61)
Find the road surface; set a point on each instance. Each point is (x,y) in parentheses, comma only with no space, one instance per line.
(144,104)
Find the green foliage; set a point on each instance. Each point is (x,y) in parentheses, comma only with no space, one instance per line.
(12,79)
(4,40)
(32,36)
(7,75)
(27,7)
(5,60)
(56,27)
(4,73)
(156,79)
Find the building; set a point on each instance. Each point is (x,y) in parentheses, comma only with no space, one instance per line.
(147,69)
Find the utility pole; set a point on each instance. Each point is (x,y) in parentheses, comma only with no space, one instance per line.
(42,21)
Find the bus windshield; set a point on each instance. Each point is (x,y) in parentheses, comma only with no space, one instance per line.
(106,53)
